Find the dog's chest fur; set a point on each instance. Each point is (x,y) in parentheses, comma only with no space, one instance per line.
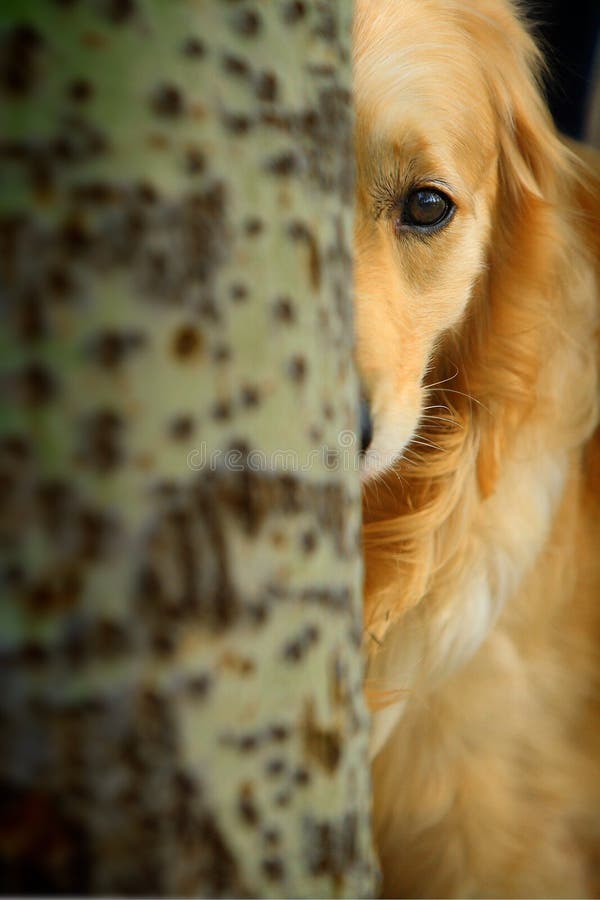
(448,628)
(493,729)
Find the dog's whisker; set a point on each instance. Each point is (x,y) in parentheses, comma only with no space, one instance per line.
(444,419)
(422,442)
(469,397)
(443,380)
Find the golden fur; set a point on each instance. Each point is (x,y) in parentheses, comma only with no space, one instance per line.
(478,350)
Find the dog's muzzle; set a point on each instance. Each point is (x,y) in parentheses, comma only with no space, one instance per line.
(366,426)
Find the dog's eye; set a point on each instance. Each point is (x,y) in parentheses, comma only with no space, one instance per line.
(426,209)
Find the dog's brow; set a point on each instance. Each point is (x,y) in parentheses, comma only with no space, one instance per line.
(389,186)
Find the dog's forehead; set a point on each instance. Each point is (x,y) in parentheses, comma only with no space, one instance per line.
(416,74)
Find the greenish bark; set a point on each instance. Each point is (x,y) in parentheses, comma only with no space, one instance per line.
(181,710)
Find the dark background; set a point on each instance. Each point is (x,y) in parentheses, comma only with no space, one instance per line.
(568,30)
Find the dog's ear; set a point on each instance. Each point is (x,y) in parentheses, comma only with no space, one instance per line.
(532,157)
(531,152)
(532,165)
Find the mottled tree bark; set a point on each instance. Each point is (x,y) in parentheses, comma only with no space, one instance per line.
(181,709)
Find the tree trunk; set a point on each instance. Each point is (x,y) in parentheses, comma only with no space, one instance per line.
(181,709)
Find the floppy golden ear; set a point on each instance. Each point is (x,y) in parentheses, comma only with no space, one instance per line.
(532,166)
(531,153)
(532,158)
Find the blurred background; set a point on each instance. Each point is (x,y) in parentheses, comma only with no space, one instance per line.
(569,32)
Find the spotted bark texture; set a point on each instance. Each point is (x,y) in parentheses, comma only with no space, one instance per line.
(181,709)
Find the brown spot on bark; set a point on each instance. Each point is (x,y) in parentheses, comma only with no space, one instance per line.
(217,869)
(96,193)
(102,435)
(309,542)
(19,63)
(195,161)
(194,48)
(208,309)
(109,639)
(297,369)
(301,777)
(257,613)
(197,686)
(182,428)
(294,11)
(163,644)
(57,590)
(250,395)
(284,310)
(279,733)
(37,385)
(294,651)
(221,411)
(248,812)
(311,634)
(111,347)
(34,654)
(331,847)
(266,87)
(15,447)
(167,100)
(253,226)
(248,23)
(326,26)
(300,232)
(272,836)
(236,123)
(221,353)
(235,66)
(75,236)
(185,784)
(321,856)
(281,121)
(95,528)
(80,90)
(273,869)
(236,663)
(59,282)
(238,292)
(187,342)
(146,192)
(275,767)
(222,599)
(284,164)
(323,745)
(119,11)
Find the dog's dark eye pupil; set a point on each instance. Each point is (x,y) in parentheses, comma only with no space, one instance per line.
(426,207)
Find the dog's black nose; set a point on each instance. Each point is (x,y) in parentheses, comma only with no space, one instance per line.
(366,426)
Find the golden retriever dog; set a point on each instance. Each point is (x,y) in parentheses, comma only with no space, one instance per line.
(476,250)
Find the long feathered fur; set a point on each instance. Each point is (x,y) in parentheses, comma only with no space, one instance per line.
(483,779)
